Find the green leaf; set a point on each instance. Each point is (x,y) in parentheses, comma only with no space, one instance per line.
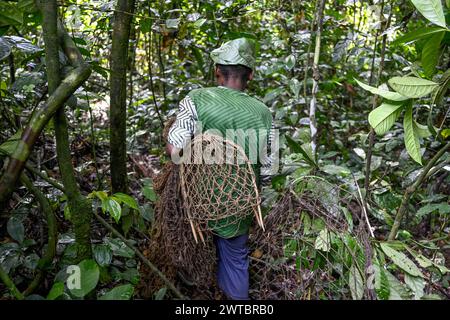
(161,293)
(418,34)
(323,241)
(412,87)
(102,195)
(401,260)
(393,96)
(383,118)
(31,261)
(123,292)
(411,136)
(416,284)
(445,133)
(422,130)
(102,254)
(89,274)
(381,282)
(10,145)
(423,261)
(397,289)
(119,248)
(67,214)
(334,170)
(290,61)
(199,22)
(146,25)
(149,193)
(56,291)
(5,48)
(16,229)
(26,5)
(113,208)
(10,14)
(443,208)
(130,201)
(430,53)
(301,149)
(431,10)
(272,94)
(295,86)
(356,283)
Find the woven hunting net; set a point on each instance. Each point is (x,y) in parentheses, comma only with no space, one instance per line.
(218,184)
(315,244)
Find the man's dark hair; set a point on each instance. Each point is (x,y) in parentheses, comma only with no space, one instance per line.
(235,71)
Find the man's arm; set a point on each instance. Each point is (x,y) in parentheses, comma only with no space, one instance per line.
(183,128)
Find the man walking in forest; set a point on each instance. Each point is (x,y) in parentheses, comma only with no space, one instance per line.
(224,108)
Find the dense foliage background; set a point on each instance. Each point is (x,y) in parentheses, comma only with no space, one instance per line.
(371,76)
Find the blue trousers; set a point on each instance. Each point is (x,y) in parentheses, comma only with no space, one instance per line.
(232,266)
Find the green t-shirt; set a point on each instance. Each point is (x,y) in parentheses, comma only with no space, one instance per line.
(223,109)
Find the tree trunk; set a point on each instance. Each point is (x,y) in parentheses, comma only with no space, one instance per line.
(80,207)
(118,95)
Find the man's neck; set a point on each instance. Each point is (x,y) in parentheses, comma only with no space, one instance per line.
(234,85)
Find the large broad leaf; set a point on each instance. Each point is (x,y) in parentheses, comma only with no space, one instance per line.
(381,281)
(442,207)
(123,292)
(432,10)
(149,193)
(56,291)
(5,48)
(272,94)
(424,262)
(113,208)
(16,229)
(430,53)
(290,61)
(393,96)
(356,283)
(411,136)
(10,14)
(401,260)
(295,86)
(397,290)
(119,248)
(102,254)
(412,87)
(26,5)
(416,284)
(301,149)
(335,170)
(10,145)
(422,131)
(383,118)
(89,274)
(323,241)
(130,201)
(418,34)
(161,293)
(22,44)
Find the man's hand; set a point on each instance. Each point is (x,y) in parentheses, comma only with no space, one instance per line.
(172,150)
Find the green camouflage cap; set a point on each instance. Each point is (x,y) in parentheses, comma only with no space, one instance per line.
(238,51)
